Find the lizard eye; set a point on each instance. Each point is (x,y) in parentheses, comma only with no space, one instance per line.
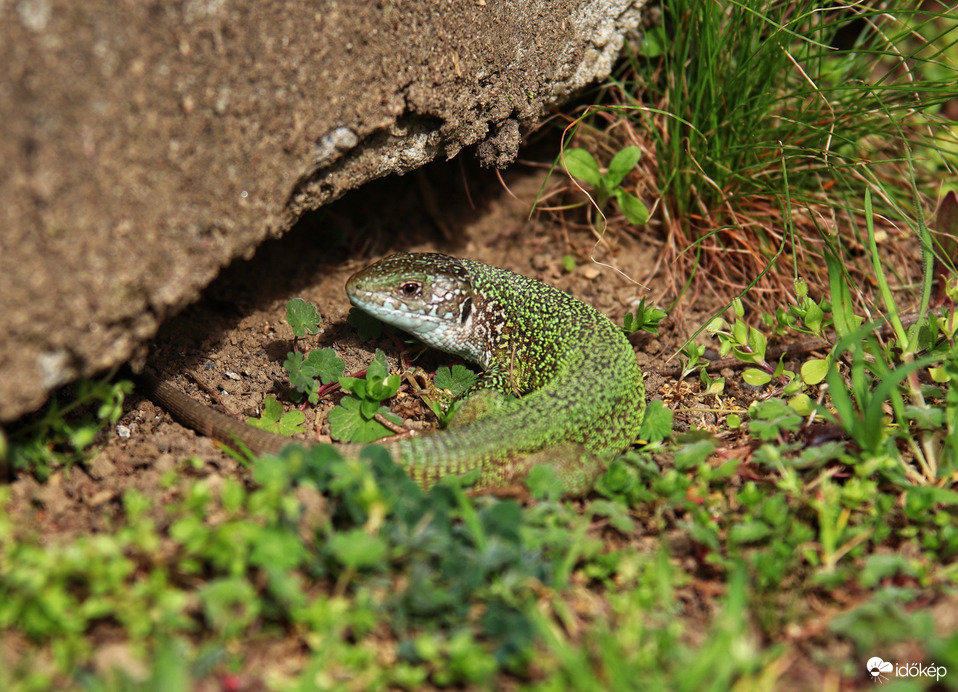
(411,288)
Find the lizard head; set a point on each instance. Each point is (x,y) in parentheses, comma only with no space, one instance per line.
(427,295)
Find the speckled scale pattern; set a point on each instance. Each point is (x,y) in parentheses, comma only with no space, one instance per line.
(582,397)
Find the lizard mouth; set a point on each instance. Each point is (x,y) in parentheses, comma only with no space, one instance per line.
(397,314)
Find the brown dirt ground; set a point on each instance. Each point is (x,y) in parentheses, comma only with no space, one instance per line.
(227,350)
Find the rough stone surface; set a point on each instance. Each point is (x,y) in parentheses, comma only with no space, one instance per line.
(147,144)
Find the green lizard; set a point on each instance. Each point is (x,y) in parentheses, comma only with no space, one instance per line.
(581,395)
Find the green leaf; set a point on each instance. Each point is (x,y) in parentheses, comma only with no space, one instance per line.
(716,325)
(757,343)
(802,404)
(770,418)
(273,420)
(657,424)
(230,604)
(740,333)
(367,327)
(749,532)
(383,389)
(814,370)
(457,380)
(348,424)
(621,164)
(380,385)
(843,310)
(756,377)
(616,513)
(324,364)
(80,436)
(368,407)
(272,410)
(378,368)
(278,549)
(646,318)
(302,317)
(635,211)
(354,385)
(939,375)
(690,455)
(814,316)
(301,378)
(654,42)
(356,549)
(544,483)
(580,164)
(715,387)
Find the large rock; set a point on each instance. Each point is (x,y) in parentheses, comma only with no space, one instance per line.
(147,144)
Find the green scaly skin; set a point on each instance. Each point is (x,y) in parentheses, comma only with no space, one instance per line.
(581,395)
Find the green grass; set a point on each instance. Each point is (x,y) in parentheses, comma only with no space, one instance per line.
(761,124)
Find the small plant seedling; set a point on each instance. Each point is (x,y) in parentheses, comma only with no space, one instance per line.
(458,379)
(646,318)
(274,420)
(581,165)
(657,424)
(354,419)
(749,345)
(453,383)
(359,415)
(306,372)
(303,317)
(711,385)
(320,365)
(772,417)
(62,433)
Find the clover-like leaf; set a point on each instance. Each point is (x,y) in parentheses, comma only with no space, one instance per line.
(457,380)
(302,317)
(357,549)
(657,424)
(348,424)
(301,376)
(273,420)
(324,364)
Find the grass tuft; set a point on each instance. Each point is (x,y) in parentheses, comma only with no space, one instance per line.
(762,123)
